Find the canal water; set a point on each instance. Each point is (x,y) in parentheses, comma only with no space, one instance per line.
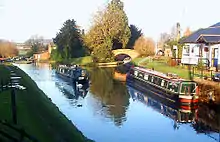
(108,110)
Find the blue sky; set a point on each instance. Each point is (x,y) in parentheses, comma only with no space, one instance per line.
(19,19)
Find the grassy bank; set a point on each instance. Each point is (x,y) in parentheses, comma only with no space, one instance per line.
(162,66)
(36,113)
(87,60)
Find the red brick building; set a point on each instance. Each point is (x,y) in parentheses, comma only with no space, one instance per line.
(43,56)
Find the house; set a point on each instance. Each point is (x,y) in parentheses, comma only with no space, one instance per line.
(202,45)
(44,55)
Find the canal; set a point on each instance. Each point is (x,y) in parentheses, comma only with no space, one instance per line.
(108,110)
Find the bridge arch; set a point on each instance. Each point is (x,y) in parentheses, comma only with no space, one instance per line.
(123,52)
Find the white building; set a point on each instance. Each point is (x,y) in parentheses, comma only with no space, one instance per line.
(203,45)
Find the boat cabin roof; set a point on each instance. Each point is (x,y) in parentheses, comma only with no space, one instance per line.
(68,67)
(168,76)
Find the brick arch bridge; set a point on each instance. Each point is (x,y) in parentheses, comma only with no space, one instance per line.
(130,52)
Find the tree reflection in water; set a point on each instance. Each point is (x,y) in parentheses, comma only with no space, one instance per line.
(208,119)
(112,94)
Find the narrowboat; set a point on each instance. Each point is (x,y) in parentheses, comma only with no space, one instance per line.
(172,110)
(73,73)
(168,86)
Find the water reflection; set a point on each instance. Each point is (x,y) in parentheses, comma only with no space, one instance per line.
(208,121)
(72,91)
(204,119)
(112,94)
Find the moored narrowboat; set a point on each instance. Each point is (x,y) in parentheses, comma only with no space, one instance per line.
(73,73)
(170,86)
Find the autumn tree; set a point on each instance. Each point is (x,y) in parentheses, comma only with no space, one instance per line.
(145,46)
(7,49)
(135,34)
(109,31)
(69,41)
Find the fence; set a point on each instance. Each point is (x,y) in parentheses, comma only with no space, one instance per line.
(203,73)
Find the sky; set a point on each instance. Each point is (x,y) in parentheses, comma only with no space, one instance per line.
(20,19)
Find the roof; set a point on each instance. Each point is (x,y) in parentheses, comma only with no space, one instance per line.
(208,35)
(216,25)
(209,39)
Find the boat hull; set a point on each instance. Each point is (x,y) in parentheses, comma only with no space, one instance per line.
(80,80)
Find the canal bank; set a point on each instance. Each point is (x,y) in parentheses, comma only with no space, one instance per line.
(36,114)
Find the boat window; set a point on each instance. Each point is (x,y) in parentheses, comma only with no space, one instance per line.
(159,81)
(173,86)
(146,77)
(188,88)
(149,78)
(155,80)
(162,83)
(136,73)
(140,75)
(152,79)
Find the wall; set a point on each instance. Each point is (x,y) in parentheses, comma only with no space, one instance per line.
(42,56)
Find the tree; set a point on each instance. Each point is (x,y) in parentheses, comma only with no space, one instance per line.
(145,46)
(110,31)
(69,41)
(162,43)
(7,49)
(187,32)
(175,32)
(36,44)
(135,34)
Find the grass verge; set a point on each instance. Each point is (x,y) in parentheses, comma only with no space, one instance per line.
(163,67)
(87,60)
